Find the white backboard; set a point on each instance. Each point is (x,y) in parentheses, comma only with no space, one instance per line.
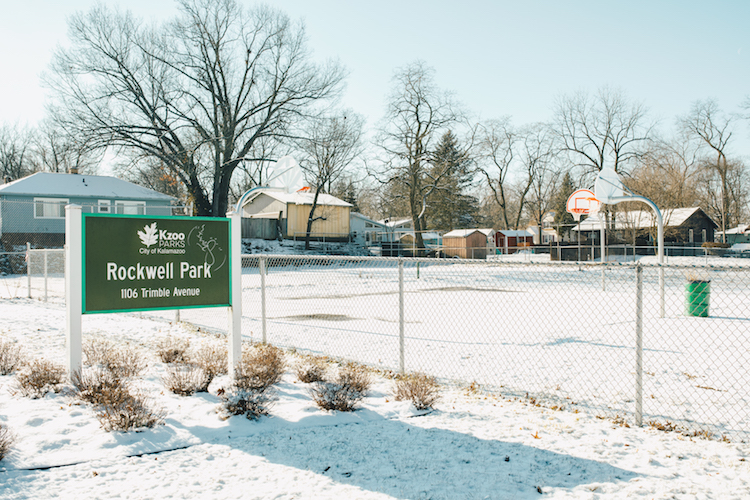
(608,186)
(286,174)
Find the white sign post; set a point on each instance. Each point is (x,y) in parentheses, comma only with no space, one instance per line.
(235,310)
(73,287)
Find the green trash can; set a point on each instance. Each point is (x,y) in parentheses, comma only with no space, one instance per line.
(697,298)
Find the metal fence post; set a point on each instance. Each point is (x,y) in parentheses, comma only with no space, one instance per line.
(45,275)
(28,269)
(401,367)
(262,269)
(639,345)
(661,290)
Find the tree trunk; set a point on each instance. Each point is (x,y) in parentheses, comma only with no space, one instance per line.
(311,219)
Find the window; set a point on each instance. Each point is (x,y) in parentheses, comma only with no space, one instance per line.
(50,208)
(130,207)
(105,207)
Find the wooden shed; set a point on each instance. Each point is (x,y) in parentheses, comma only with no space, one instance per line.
(510,241)
(331,214)
(468,243)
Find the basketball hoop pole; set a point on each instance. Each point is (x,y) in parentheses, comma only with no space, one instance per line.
(659,235)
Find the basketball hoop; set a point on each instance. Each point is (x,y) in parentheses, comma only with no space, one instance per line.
(582,202)
(577,213)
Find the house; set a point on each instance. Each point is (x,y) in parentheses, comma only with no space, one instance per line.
(511,240)
(332,215)
(32,209)
(429,238)
(469,243)
(396,228)
(364,231)
(736,235)
(681,225)
(549,234)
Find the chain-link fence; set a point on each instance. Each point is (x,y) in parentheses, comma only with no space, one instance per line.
(668,345)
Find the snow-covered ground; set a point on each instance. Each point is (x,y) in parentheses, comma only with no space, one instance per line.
(473,445)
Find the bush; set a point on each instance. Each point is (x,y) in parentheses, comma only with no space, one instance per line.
(423,391)
(6,441)
(212,359)
(356,376)
(115,405)
(253,403)
(97,386)
(345,391)
(11,358)
(715,244)
(40,377)
(251,393)
(261,367)
(124,411)
(122,361)
(173,349)
(311,370)
(95,351)
(186,380)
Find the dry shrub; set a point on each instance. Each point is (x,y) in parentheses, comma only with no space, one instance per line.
(311,370)
(39,377)
(95,351)
(11,358)
(261,367)
(253,403)
(126,361)
(212,359)
(125,411)
(356,376)
(97,386)
(122,361)
(423,391)
(6,441)
(251,393)
(173,349)
(186,380)
(343,393)
(117,407)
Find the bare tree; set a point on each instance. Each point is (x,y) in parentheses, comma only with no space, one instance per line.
(538,155)
(605,130)
(59,151)
(196,93)
(16,152)
(497,146)
(255,169)
(332,144)
(676,165)
(711,128)
(418,113)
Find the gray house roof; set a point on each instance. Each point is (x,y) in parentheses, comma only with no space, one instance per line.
(84,186)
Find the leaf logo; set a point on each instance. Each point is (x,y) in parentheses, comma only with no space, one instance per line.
(149,236)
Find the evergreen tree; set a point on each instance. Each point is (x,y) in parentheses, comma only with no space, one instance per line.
(563,220)
(449,207)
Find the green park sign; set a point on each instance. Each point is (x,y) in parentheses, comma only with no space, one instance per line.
(139,263)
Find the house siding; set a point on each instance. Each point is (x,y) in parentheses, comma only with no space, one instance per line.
(18,225)
(264,204)
(335,225)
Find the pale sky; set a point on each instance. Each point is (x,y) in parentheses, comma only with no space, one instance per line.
(499,57)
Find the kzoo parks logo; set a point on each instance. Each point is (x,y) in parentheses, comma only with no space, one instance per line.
(175,243)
